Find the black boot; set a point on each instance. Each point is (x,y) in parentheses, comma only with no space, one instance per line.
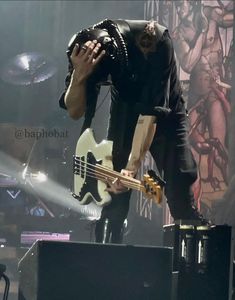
(187,212)
(108,232)
(194,214)
(102,231)
(117,234)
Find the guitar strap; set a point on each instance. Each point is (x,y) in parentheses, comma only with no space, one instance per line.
(119,30)
(92,96)
(87,123)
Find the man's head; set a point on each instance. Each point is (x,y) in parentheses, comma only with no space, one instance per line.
(101,36)
(107,34)
(90,34)
(146,39)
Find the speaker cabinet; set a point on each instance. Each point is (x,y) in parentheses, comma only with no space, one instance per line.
(203,257)
(88,271)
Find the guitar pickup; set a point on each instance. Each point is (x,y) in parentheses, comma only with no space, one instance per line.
(79,165)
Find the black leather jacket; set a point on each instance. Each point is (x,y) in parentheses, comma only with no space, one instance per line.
(145,84)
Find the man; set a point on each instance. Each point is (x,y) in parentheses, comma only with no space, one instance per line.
(145,88)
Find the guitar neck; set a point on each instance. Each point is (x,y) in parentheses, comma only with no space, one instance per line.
(104,174)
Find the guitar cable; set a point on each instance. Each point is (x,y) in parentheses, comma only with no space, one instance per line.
(103,100)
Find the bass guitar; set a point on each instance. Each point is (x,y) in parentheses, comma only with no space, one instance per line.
(92,167)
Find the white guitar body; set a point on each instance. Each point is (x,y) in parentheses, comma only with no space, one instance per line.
(86,187)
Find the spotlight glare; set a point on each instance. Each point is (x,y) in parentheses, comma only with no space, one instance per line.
(50,190)
(41,177)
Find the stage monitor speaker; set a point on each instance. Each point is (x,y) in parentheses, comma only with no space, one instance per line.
(88,271)
(203,257)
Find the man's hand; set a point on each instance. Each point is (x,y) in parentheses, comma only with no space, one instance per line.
(86,59)
(116,186)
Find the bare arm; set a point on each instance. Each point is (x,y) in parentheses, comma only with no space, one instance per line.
(84,63)
(75,98)
(143,136)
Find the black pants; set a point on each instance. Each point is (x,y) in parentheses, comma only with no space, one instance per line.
(173,157)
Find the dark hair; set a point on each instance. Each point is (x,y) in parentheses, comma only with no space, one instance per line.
(111,40)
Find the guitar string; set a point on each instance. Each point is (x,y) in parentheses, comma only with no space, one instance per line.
(110,171)
(123,177)
(127,180)
(102,178)
(93,174)
(132,183)
(157,200)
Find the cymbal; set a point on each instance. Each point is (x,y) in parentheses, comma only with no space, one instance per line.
(28,68)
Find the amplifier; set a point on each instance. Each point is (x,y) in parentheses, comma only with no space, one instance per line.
(53,270)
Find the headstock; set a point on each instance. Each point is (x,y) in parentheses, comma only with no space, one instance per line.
(153,186)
